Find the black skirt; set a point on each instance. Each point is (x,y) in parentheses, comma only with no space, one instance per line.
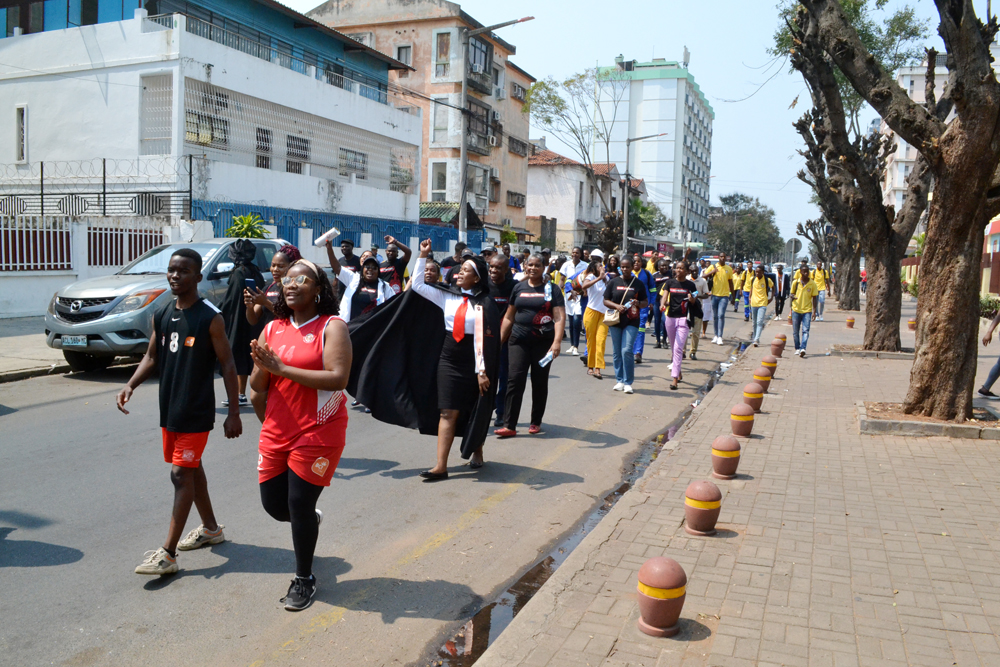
(457,382)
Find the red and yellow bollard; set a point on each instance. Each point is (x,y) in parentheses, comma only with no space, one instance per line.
(741,420)
(770,362)
(662,590)
(763,376)
(725,457)
(702,504)
(850,322)
(753,395)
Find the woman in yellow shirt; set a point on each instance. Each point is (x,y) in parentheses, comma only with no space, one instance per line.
(761,291)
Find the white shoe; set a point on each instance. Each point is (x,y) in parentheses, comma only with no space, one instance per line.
(619,387)
(720,342)
(200,537)
(802,353)
(319,517)
(157,563)
(574,352)
(756,344)
(796,353)
(715,340)
(628,389)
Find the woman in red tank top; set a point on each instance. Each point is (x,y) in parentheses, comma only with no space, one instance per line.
(302,364)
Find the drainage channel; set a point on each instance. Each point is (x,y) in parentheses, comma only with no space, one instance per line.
(472,640)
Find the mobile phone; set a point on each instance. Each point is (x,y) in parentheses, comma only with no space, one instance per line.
(251,284)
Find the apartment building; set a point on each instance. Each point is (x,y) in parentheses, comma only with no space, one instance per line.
(427,34)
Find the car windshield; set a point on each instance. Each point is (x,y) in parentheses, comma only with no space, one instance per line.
(156,260)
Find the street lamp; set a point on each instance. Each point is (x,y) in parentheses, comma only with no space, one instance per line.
(463,150)
(628,184)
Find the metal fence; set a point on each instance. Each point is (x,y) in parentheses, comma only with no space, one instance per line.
(34,243)
(116,242)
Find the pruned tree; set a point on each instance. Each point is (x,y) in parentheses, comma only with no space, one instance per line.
(823,240)
(962,157)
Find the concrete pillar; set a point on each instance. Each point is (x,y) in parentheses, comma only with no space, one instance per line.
(78,236)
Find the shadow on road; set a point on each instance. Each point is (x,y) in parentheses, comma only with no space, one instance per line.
(364,467)
(28,553)
(497,472)
(23,519)
(400,598)
(112,375)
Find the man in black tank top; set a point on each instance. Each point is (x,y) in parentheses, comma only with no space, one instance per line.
(189,336)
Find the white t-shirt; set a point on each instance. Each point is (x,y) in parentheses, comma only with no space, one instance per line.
(595,295)
(701,285)
(569,269)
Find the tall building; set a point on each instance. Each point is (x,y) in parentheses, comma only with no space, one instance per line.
(647,98)
(427,34)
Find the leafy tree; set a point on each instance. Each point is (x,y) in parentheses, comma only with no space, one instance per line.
(745,229)
(249,226)
(647,219)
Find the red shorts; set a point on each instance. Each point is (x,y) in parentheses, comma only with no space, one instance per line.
(313,455)
(184,449)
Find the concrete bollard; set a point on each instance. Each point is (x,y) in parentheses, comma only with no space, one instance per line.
(762,376)
(789,318)
(741,420)
(662,588)
(753,395)
(850,322)
(911,324)
(702,504)
(770,362)
(777,347)
(725,457)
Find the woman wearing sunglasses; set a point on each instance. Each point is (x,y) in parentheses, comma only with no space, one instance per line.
(302,364)
(363,290)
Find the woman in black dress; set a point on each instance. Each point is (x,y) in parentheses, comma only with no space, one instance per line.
(260,304)
(238,330)
(462,373)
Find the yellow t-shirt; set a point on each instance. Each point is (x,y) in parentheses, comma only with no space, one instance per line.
(758,291)
(720,280)
(820,278)
(737,281)
(802,296)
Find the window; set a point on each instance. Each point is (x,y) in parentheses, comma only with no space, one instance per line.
(296,153)
(517,91)
(442,55)
(913,85)
(21,133)
(518,199)
(353,162)
(85,13)
(156,115)
(496,76)
(579,198)
(28,16)
(263,148)
(517,146)
(206,130)
(366,38)
(479,55)
(440,132)
(439,181)
(404,54)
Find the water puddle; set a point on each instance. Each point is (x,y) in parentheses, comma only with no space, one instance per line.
(469,643)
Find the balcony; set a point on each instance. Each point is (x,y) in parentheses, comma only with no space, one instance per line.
(481,82)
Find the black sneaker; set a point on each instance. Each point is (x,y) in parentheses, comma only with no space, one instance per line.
(693,357)
(985,393)
(300,593)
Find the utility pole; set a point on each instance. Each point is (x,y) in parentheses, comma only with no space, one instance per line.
(463,231)
(628,185)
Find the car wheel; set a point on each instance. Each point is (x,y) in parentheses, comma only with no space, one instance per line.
(82,362)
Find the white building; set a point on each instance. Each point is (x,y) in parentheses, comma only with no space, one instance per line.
(204,109)
(661,97)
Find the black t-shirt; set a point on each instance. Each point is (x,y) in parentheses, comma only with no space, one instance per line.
(679,290)
(186,361)
(392,273)
(620,291)
(364,300)
(660,278)
(353,263)
(501,294)
(534,305)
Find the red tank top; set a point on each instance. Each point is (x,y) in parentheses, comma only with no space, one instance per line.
(293,409)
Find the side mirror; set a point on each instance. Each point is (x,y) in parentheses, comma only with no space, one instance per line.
(222,269)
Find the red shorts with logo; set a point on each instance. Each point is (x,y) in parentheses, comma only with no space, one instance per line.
(313,455)
(184,449)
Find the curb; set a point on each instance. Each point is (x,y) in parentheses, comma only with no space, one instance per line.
(871,354)
(871,426)
(57,369)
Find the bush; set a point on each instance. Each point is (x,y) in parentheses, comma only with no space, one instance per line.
(249,226)
(913,288)
(988,306)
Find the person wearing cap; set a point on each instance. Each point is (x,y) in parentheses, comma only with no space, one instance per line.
(364,290)
(349,260)
(452,276)
(488,253)
(393,269)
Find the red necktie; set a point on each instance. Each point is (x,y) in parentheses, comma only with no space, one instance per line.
(458,331)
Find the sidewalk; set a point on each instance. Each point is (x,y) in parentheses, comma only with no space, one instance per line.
(23,352)
(834,548)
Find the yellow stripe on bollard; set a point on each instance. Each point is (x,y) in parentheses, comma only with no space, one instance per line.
(741,418)
(757,377)
(768,364)
(661,593)
(728,455)
(746,395)
(703,504)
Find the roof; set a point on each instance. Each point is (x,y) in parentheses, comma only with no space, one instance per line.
(604,168)
(303,21)
(501,228)
(658,69)
(550,158)
(510,64)
(444,211)
(476,25)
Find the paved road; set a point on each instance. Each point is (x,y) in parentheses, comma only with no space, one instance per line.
(84,492)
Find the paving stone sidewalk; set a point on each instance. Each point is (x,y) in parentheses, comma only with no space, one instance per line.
(835,548)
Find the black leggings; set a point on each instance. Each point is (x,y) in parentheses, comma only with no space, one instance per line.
(524,354)
(288,497)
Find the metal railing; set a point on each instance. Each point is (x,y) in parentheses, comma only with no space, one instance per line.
(35,243)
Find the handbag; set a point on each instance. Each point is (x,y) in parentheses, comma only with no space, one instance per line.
(613,317)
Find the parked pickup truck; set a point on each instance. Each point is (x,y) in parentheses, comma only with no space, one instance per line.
(95,320)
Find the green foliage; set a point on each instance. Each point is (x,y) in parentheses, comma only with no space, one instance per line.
(988,306)
(249,226)
(746,228)
(914,287)
(508,235)
(921,239)
(647,219)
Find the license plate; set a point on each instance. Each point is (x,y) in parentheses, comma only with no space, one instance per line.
(74,341)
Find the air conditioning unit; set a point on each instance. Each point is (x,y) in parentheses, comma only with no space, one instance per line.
(496,116)
(499,92)
(506,222)
(493,140)
(494,173)
(477,68)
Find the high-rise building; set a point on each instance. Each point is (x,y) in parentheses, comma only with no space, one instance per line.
(660,97)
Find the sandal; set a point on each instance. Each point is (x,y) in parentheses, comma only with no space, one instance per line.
(597,374)
(590,371)
(534,429)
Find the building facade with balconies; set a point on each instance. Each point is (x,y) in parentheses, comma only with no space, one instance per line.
(194,109)
(427,34)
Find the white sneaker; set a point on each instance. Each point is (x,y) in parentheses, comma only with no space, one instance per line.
(628,389)
(618,387)
(157,562)
(715,340)
(720,342)
(756,344)
(319,517)
(802,353)
(796,353)
(573,352)
(199,537)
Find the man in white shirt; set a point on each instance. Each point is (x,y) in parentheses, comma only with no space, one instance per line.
(706,306)
(574,310)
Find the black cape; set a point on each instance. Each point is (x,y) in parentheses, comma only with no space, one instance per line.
(238,330)
(396,351)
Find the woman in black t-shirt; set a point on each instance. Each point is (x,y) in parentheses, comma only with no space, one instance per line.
(678,297)
(661,276)
(533,328)
(627,295)
(611,269)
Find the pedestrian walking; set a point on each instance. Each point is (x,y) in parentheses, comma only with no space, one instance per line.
(700,314)
(782,287)
(188,340)
(737,286)
(302,364)
(364,290)
(572,268)
(624,297)
(679,296)
(661,276)
(501,285)
(821,276)
(986,389)
(239,330)
(532,328)
(805,296)
(864,281)
(722,288)
(761,290)
(393,270)
(260,303)
(646,278)
(515,265)
(348,259)
(593,282)
(745,278)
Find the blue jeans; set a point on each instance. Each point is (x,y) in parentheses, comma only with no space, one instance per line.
(719,304)
(993,376)
(802,319)
(746,305)
(821,302)
(575,325)
(502,380)
(622,341)
(759,313)
(640,337)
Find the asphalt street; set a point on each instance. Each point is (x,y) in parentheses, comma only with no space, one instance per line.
(84,492)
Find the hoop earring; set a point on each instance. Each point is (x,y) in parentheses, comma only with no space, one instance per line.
(317,298)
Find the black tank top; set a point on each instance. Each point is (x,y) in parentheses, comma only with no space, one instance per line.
(186,361)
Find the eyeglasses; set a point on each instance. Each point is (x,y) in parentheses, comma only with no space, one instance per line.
(288,281)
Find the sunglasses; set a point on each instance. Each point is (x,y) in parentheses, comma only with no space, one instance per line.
(288,281)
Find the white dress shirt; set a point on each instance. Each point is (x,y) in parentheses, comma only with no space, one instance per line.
(449,303)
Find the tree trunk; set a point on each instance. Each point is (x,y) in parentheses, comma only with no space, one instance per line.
(884,298)
(848,276)
(944,367)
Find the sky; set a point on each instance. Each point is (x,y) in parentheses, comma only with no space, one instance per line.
(754,146)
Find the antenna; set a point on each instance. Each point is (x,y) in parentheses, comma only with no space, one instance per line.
(687,57)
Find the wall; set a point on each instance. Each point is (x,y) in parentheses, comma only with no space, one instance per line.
(553,193)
